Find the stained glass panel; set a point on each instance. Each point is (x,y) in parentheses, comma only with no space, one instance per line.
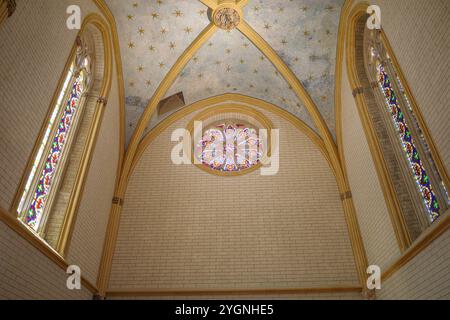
(35,211)
(422,179)
(230,147)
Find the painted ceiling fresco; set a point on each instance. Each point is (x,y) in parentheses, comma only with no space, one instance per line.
(229,62)
(154,33)
(304,34)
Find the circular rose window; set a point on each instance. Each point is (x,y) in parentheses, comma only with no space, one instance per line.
(229,147)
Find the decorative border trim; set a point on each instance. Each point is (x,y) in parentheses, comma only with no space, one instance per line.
(226,292)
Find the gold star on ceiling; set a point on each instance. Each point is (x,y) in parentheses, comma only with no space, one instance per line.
(141,31)
(155,15)
(131,45)
(178,13)
(188,30)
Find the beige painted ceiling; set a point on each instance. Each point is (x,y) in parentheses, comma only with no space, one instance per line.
(154,33)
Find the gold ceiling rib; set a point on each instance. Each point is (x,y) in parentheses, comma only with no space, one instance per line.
(212,4)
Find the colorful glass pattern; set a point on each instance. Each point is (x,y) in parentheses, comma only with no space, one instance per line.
(35,211)
(230,148)
(412,154)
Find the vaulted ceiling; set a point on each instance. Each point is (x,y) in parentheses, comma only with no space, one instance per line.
(154,33)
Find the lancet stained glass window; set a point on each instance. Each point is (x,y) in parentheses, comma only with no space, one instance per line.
(420,174)
(34,203)
(230,147)
(34,213)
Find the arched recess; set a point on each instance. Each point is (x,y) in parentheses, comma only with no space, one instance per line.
(233,102)
(265,49)
(332,152)
(354,37)
(398,188)
(71,178)
(347,202)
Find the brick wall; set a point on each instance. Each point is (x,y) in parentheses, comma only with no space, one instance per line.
(25,273)
(183,228)
(427,276)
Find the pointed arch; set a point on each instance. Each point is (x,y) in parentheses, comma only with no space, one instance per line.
(81,133)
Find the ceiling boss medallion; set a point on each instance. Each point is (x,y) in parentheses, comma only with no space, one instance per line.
(227,15)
